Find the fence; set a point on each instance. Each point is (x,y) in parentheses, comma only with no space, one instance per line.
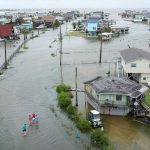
(13,54)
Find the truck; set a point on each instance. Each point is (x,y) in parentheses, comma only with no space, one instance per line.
(94,117)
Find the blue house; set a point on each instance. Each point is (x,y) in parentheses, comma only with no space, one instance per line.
(28,26)
(92,25)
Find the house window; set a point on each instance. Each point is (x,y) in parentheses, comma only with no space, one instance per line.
(118,97)
(144,78)
(98,97)
(94,28)
(133,65)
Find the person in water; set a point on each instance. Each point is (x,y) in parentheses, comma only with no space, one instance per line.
(24,128)
(33,115)
(30,119)
(36,119)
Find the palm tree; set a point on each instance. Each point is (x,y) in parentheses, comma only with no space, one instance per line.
(24,31)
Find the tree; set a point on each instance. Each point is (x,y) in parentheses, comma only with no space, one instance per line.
(56,24)
(106,29)
(19,21)
(79,23)
(74,25)
(25,31)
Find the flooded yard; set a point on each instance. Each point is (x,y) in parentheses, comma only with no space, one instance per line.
(29,86)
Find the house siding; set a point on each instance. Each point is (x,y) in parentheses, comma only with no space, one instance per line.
(92,27)
(142,66)
(112,99)
(147,78)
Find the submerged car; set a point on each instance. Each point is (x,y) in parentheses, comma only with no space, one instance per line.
(94,117)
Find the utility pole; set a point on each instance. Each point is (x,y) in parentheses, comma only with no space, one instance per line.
(61,74)
(66,28)
(76,86)
(5,54)
(101,45)
(60,39)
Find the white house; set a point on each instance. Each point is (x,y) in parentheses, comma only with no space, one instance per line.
(136,64)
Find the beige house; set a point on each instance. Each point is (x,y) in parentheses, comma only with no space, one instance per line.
(136,64)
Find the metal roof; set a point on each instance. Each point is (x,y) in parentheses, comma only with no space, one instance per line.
(133,54)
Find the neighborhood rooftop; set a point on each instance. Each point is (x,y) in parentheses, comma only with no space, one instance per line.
(132,54)
(116,85)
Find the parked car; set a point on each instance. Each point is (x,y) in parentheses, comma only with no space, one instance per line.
(94,117)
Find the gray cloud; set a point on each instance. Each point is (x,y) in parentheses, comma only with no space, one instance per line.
(74,3)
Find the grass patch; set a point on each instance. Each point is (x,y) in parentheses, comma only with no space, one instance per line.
(25,47)
(147,98)
(76,33)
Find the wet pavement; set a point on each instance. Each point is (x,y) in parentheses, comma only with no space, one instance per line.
(29,86)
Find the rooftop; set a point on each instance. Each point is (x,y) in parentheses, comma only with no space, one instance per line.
(123,86)
(49,18)
(132,54)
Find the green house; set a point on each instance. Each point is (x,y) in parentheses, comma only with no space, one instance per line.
(113,96)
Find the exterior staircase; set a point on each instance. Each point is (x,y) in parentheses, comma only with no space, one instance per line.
(147,108)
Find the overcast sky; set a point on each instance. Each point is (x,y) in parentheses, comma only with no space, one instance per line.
(74,4)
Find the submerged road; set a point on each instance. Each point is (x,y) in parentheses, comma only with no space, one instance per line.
(29,86)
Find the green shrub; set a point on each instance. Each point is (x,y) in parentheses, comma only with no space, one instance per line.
(72,110)
(64,100)
(75,117)
(83,124)
(62,88)
(109,148)
(70,94)
(98,139)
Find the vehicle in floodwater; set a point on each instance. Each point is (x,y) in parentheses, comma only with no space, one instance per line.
(94,117)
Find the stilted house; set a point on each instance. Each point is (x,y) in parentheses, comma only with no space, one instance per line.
(113,96)
(136,64)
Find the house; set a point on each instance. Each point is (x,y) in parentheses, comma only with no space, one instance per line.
(28,26)
(49,20)
(147,18)
(92,25)
(112,95)
(138,17)
(136,64)
(119,28)
(37,23)
(6,31)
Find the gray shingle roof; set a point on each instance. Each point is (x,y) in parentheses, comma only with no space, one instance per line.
(123,86)
(132,54)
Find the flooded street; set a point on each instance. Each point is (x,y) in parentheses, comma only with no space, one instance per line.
(29,86)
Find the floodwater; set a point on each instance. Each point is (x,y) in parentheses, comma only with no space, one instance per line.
(29,86)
